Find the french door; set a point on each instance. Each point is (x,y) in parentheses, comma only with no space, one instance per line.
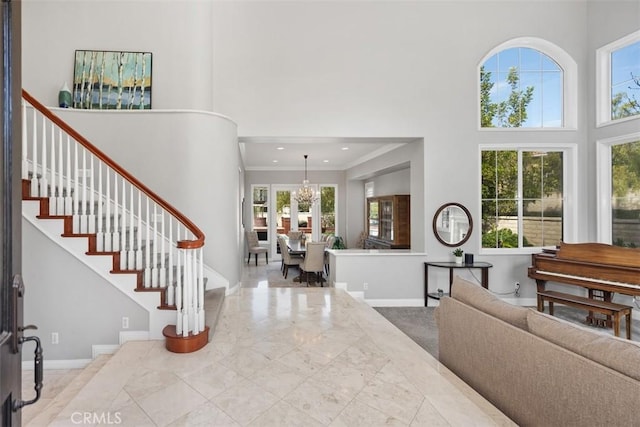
(11,287)
(287,215)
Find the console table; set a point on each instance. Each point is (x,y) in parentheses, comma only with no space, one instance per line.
(483,266)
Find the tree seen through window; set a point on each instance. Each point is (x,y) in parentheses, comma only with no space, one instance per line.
(521,87)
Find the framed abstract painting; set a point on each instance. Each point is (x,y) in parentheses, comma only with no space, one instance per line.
(112,80)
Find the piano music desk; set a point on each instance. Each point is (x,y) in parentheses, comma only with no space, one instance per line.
(603,307)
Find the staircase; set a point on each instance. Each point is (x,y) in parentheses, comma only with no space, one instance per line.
(154,253)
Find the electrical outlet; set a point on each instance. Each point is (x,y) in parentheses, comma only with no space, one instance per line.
(365,286)
(125,323)
(55,338)
(517,289)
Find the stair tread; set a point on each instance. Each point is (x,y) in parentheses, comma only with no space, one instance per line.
(213,303)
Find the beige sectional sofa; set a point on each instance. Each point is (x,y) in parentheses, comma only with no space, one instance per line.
(537,369)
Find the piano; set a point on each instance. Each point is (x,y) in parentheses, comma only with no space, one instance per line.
(600,268)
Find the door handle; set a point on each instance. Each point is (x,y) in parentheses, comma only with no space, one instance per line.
(37,371)
(19,339)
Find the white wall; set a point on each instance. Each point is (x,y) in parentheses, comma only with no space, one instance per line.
(404,69)
(398,182)
(65,296)
(390,69)
(607,21)
(188,158)
(177,33)
(382,277)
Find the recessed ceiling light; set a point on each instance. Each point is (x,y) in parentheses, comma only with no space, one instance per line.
(325,161)
(345,148)
(274,161)
(280,148)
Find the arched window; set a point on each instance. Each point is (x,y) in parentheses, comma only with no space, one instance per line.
(527,83)
(527,184)
(618,80)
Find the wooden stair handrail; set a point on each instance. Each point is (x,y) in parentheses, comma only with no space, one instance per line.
(182,244)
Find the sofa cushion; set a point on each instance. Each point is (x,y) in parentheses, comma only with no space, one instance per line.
(480,298)
(616,353)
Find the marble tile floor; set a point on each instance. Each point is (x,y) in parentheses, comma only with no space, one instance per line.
(282,357)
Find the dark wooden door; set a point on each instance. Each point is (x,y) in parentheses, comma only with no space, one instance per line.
(11,290)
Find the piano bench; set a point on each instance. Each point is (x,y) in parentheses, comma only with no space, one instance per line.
(603,307)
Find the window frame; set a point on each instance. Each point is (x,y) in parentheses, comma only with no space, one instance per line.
(336,224)
(569,83)
(570,188)
(604,183)
(603,80)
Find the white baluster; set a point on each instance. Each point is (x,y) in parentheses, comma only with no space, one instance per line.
(139,246)
(34,190)
(60,198)
(44,182)
(186,311)
(195,323)
(52,198)
(68,199)
(163,271)
(178,290)
(100,240)
(131,253)
(170,285)
(154,267)
(115,229)
(91,217)
(108,242)
(76,193)
(201,289)
(147,254)
(25,141)
(123,226)
(123,223)
(83,217)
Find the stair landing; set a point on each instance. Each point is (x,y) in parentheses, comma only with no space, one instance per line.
(118,385)
(60,387)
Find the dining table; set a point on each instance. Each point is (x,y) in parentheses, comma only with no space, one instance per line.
(296,246)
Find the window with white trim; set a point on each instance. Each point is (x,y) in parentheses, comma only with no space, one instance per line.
(619,191)
(618,80)
(527,83)
(523,197)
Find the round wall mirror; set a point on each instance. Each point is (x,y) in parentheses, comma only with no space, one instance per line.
(452,224)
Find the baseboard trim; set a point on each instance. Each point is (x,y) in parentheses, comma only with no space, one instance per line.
(97,350)
(340,285)
(133,336)
(413,302)
(232,289)
(527,302)
(356,295)
(27,365)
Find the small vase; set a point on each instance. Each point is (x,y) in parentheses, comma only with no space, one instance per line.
(64,96)
(459,260)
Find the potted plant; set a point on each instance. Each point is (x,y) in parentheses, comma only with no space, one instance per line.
(338,243)
(457,252)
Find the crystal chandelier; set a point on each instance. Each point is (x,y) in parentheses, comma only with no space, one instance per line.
(305,194)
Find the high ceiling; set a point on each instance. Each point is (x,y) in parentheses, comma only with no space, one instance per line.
(273,154)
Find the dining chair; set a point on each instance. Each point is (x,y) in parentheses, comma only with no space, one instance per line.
(330,240)
(314,261)
(294,235)
(288,260)
(253,246)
